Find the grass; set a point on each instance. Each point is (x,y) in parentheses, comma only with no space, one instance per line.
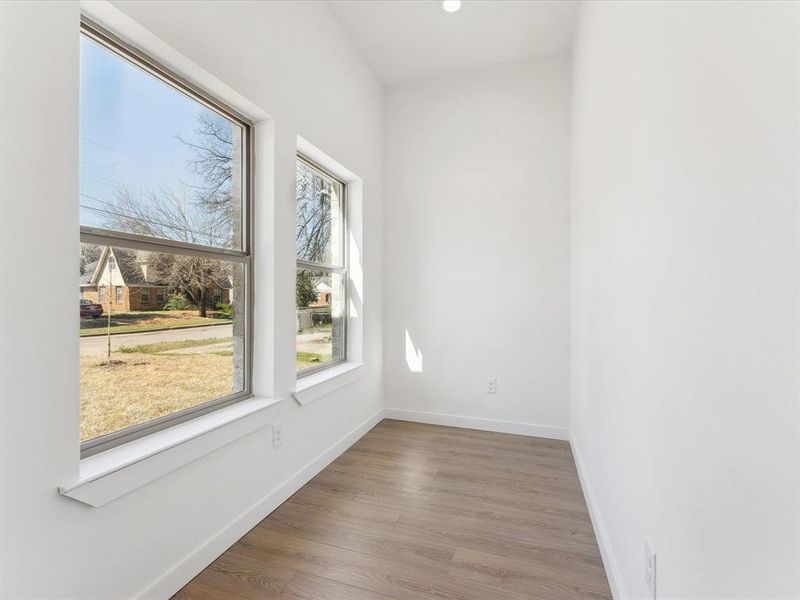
(154,320)
(315,345)
(144,382)
(176,345)
(310,359)
(140,386)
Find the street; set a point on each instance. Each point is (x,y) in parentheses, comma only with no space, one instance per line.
(99,344)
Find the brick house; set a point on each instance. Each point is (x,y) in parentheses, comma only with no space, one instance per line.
(129,286)
(324,294)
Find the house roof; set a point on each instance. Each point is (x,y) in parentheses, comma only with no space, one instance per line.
(132,265)
(322,286)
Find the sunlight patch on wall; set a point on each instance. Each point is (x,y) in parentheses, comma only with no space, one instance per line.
(413,355)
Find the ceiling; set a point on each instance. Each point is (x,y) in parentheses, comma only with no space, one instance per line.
(405,40)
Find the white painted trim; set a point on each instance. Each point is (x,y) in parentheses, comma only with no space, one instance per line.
(108,475)
(603,541)
(318,385)
(515,427)
(124,27)
(181,573)
(334,167)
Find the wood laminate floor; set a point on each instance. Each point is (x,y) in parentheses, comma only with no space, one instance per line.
(420,511)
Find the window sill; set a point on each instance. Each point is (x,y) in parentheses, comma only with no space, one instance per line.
(108,475)
(318,385)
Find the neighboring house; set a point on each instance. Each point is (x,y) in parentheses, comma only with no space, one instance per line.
(129,286)
(324,294)
(312,315)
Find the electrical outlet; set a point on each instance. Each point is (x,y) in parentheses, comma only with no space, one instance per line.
(650,569)
(491,385)
(276,435)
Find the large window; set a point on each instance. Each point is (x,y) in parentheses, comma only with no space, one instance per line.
(321,282)
(164,203)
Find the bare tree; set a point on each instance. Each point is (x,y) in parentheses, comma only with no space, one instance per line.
(196,277)
(218,160)
(90,253)
(215,152)
(314,216)
(171,214)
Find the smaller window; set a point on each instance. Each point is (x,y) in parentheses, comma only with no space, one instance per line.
(161,296)
(321,280)
(145,295)
(217,297)
(101,294)
(118,294)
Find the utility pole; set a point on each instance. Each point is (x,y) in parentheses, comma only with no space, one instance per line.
(111,266)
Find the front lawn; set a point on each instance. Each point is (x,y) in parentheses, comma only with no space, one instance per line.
(151,380)
(305,360)
(153,320)
(314,346)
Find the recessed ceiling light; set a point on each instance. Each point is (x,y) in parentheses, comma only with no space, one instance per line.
(451,6)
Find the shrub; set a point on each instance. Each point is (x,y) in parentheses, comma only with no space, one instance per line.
(224,310)
(321,317)
(178,301)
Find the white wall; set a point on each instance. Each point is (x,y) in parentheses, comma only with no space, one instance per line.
(685,291)
(476,245)
(281,57)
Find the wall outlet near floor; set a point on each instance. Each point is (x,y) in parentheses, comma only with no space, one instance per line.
(650,569)
(491,385)
(276,434)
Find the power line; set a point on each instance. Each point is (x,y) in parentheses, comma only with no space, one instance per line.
(128,154)
(137,218)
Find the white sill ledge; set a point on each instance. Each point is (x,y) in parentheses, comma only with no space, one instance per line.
(108,475)
(317,385)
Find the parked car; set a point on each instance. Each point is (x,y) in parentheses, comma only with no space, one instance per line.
(90,309)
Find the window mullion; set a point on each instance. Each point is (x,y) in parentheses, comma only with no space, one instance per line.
(315,266)
(131,241)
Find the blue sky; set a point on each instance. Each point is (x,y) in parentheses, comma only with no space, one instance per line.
(129,127)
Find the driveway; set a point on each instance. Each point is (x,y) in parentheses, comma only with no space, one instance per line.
(316,342)
(99,344)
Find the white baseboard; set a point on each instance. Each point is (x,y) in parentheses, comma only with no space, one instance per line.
(181,573)
(530,429)
(603,541)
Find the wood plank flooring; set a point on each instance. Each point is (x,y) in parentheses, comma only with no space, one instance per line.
(417,511)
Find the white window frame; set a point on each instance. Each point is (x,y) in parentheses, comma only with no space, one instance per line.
(331,268)
(243,256)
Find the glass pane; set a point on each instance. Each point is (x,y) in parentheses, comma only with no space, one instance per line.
(320,318)
(135,364)
(154,161)
(319,212)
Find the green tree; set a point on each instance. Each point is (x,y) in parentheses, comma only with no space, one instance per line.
(306,293)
